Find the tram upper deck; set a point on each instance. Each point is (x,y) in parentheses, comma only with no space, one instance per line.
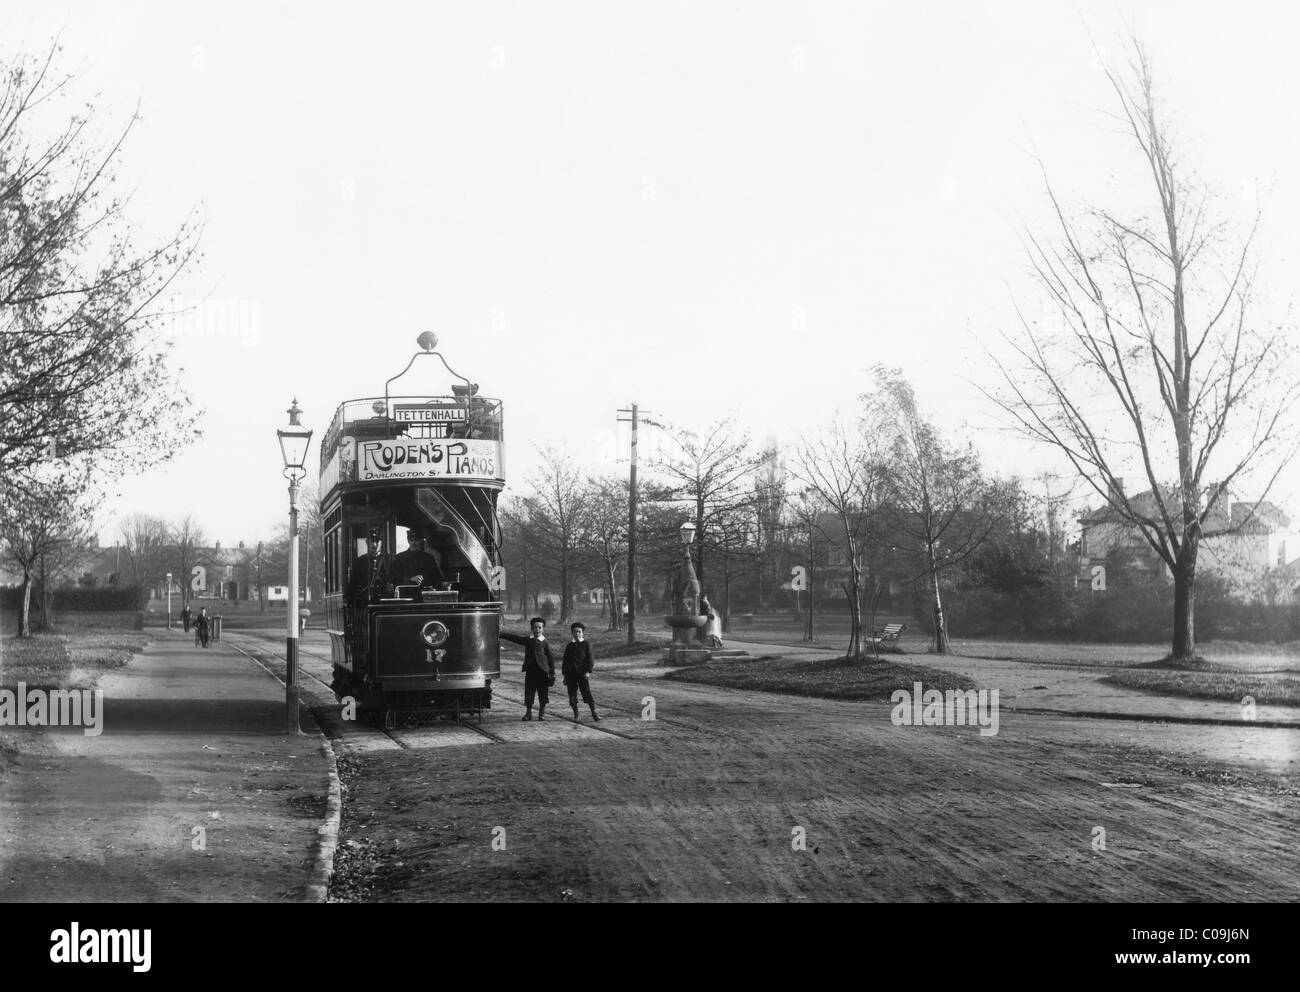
(393,440)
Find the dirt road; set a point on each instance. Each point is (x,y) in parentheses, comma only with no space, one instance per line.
(711,799)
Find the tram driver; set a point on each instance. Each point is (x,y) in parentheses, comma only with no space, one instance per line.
(415,566)
(367,583)
(369,579)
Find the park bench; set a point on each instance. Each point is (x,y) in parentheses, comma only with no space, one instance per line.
(887,634)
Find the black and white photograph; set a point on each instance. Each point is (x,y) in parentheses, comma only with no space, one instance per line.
(651,453)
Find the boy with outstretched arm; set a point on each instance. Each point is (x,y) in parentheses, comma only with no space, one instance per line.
(539,666)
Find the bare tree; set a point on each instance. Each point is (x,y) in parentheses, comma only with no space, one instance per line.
(738,542)
(842,473)
(556,511)
(604,536)
(311,547)
(1053,496)
(707,471)
(518,551)
(659,546)
(145,543)
(186,539)
(945,508)
(1150,364)
(805,513)
(257,563)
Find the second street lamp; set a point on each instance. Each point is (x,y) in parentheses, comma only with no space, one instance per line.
(294,441)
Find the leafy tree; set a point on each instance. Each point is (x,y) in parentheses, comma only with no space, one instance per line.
(770,501)
(37,523)
(84,378)
(944,507)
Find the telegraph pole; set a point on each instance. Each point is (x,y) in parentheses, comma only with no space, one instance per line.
(631,532)
(810,630)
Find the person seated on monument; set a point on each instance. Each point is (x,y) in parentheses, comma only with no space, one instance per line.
(415,566)
(711,634)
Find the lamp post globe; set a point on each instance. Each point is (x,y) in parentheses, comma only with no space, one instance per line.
(294,441)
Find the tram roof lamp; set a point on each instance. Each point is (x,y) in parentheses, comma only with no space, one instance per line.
(428,340)
(294,440)
(687,530)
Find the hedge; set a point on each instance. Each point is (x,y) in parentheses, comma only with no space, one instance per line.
(98,598)
(1142,613)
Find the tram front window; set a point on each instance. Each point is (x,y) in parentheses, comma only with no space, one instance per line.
(416,569)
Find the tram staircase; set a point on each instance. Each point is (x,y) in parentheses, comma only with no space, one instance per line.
(443,515)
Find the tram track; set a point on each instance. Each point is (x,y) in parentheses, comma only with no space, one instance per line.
(475,725)
(656,687)
(326,725)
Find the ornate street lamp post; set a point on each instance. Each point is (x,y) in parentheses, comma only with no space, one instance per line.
(294,440)
(687,618)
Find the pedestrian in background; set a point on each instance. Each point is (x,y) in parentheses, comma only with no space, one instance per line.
(201,627)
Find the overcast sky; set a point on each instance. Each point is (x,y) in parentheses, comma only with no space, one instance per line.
(701,207)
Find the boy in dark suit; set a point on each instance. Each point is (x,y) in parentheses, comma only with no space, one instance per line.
(577,666)
(539,667)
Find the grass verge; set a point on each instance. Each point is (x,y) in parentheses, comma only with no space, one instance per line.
(604,643)
(833,678)
(48,660)
(1223,685)
(61,660)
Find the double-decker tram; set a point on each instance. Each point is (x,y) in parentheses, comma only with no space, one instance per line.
(414,632)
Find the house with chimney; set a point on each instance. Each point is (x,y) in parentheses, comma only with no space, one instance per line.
(1251,544)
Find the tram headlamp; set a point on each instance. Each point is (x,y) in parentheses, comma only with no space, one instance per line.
(434,633)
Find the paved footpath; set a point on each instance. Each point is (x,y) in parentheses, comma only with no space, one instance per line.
(193,792)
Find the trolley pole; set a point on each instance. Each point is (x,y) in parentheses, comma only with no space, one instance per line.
(631,536)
